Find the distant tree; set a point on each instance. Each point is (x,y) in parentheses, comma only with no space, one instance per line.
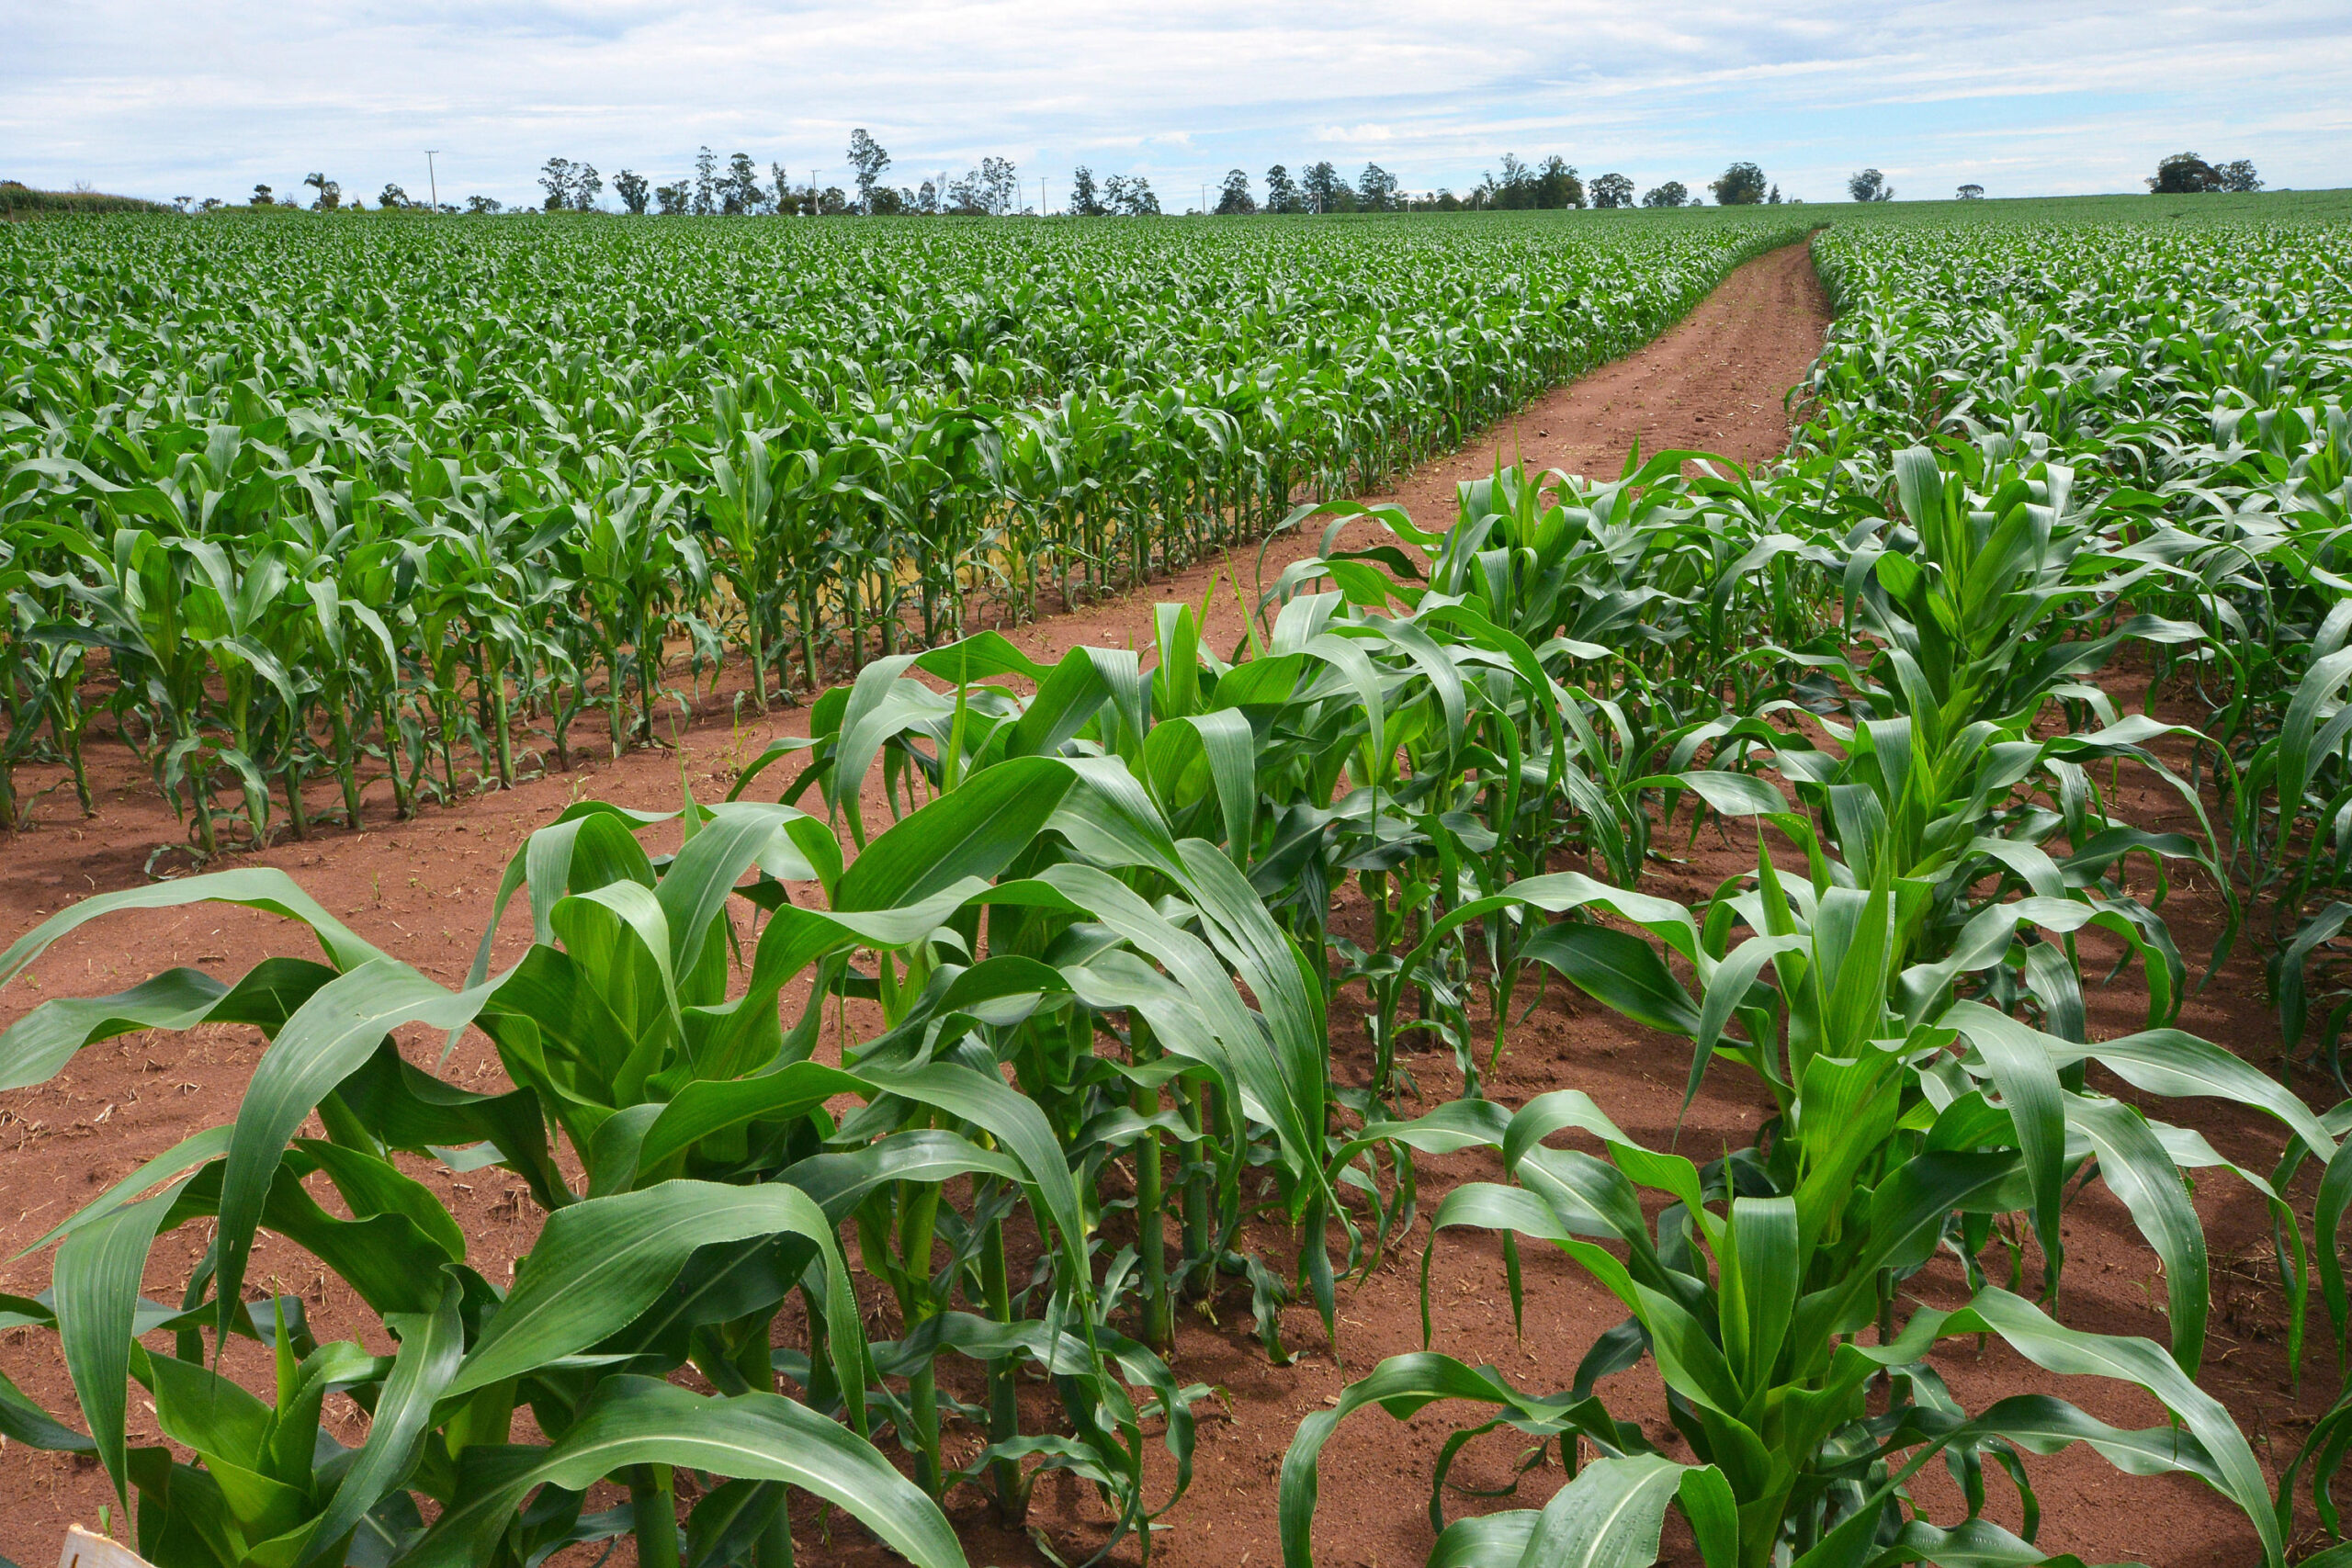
(924,199)
(483,205)
(1003,184)
(330,192)
(2238,176)
(1375,189)
(1321,184)
(262,197)
(673,200)
(210,204)
(1613,190)
(1232,197)
(991,190)
(1446,201)
(1869,184)
(1283,194)
(1773,199)
(705,200)
(1741,185)
(1084,201)
(1519,187)
(391,196)
(1556,185)
(1130,195)
(183,202)
(868,158)
(1671,194)
(2184,173)
(1510,191)
(961,197)
(555,178)
(830,202)
(742,190)
(632,188)
(586,185)
(888,202)
(1971,192)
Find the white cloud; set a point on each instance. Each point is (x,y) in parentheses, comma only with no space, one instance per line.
(162,100)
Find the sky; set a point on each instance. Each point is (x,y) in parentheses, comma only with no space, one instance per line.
(162,99)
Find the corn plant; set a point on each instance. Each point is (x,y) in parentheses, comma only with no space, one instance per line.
(687,1109)
(1908,1119)
(893,430)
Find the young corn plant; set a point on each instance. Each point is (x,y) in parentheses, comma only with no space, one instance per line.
(1003,932)
(1229,1088)
(1909,1120)
(661,1271)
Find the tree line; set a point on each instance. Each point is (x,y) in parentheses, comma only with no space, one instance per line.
(1519,187)
(992,188)
(738,186)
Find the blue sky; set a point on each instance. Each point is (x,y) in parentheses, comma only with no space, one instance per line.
(160,99)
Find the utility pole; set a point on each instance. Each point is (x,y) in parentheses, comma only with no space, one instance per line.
(431,178)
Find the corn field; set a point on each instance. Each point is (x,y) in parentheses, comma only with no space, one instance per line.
(1094,924)
(417,505)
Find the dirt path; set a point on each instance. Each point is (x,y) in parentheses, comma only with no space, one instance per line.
(1715,382)
(422,888)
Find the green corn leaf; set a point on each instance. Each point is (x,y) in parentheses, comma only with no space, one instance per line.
(754,1437)
(1611,1513)
(706,1106)
(2138,1169)
(254,888)
(430,1346)
(22,1421)
(331,1037)
(601,1261)
(96,1292)
(839,1182)
(975,831)
(37,1045)
(1620,971)
(2232,1469)
(2028,1081)
(697,883)
(2163,1061)
(1484,1541)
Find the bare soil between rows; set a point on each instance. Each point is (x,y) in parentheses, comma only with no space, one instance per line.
(422,889)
